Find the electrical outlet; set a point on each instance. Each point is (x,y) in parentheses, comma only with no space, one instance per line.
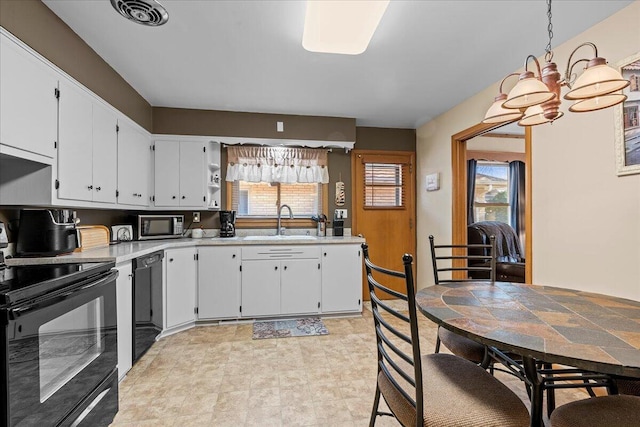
(341,214)
(196,217)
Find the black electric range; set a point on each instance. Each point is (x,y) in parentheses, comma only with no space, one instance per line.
(59,349)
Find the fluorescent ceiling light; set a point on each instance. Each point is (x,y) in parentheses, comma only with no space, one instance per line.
(344,27)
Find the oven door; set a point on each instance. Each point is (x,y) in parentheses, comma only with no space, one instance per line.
(61,347)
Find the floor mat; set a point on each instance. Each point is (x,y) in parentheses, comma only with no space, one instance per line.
(289,328)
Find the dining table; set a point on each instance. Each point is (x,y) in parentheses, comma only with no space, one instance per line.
(583,330)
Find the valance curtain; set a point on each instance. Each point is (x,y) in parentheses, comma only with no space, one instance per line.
(277,164)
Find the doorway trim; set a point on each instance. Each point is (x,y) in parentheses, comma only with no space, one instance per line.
(459,189)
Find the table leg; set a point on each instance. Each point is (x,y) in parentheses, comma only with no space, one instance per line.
(535,380)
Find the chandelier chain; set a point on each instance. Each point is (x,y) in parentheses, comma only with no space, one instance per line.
(548,56)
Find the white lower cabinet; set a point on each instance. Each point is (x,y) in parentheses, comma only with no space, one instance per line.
(280,280)
(218,282)
(261,280)
(260,288)
(341,278)
(124,316)
(180,282)
(300,286)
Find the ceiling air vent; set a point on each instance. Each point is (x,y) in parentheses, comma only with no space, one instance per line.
(145,12)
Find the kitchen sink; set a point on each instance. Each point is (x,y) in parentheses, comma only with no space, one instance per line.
(283,238)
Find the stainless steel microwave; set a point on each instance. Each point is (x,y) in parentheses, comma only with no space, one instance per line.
(160,226)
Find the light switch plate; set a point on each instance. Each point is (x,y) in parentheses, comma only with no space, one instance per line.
(196,217)
(433,181)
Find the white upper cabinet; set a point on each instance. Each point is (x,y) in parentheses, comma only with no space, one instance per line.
(192,174)
(105,154)
(87,147)
(75,144)
(167,173)
(28,104)
(180,174)
(134,165)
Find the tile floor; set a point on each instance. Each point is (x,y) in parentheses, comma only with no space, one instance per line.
(220,376)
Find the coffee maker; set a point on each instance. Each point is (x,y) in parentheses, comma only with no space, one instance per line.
(227,223)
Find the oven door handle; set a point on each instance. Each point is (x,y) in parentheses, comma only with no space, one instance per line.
(35,304)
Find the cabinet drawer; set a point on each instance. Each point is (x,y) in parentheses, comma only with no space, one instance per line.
(280,252)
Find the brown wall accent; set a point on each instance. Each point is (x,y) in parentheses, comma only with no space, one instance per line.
(385,139)
(37,26)
(109,217)
(180,121)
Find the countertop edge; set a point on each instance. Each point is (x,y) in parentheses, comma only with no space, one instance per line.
(125,251)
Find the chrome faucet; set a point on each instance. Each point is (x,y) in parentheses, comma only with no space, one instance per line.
(279,230)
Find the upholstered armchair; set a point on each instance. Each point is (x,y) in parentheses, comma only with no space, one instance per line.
(509,255)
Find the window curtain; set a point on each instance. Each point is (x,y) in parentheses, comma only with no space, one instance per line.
(517,196)
(277,164)
(471,189)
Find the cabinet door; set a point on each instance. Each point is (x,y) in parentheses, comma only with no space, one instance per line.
(167,173)
(181,286)
(218,282)
(341,278)
(125,324)
(105,154)
(192,174)
(260,288)
(300,286)
(134,161)
(28,105)
(75,143)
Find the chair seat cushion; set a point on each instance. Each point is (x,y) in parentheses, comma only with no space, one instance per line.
(606,411)
(626,386)
(457,393)
(462,346)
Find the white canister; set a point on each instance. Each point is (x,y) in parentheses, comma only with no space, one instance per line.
(197,233)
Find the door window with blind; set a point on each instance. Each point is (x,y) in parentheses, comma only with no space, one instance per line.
(491,197)
(384,185)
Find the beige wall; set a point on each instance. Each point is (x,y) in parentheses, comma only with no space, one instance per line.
(485,143)
(586,220)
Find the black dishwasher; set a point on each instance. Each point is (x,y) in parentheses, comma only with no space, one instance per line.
(147,302)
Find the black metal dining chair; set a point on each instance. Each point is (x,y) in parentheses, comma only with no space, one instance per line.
(434,389)
(485,265)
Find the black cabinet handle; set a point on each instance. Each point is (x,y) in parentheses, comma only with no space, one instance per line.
(233,256)
(173,197)
(183,197)
(98,188)
(90,187)
(325,254)
(285,267)
(140,195)
(276,267)
(170,259)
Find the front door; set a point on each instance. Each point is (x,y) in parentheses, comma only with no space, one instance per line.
(384,208)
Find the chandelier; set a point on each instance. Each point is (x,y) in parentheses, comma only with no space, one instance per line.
(536,100)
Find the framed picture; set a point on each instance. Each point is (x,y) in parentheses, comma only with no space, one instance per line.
(627,119)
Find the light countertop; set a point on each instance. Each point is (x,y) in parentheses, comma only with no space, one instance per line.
(126,251)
